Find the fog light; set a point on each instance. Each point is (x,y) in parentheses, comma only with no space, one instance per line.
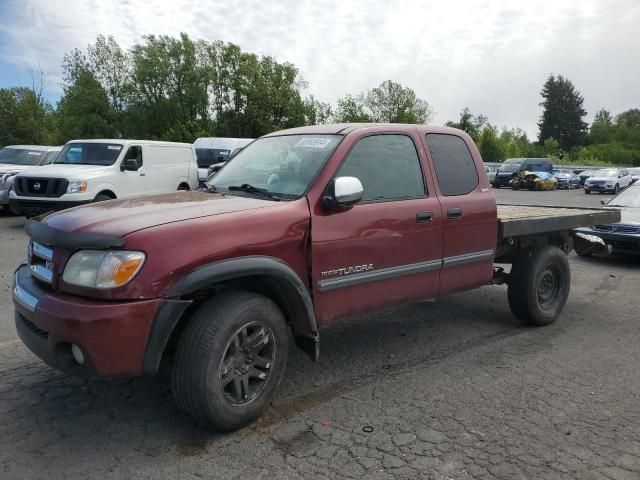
(77,354)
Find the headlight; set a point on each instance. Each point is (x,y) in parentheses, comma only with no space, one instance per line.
(102,269)
(77,187)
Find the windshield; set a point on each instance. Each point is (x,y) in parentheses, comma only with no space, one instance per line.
(627,198)
(284,165)
(49,157)
(20,156)
(562,172)
(88,154)
(510,167)
(209,156)
(605,173)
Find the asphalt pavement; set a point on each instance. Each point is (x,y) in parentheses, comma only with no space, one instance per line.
(452,388)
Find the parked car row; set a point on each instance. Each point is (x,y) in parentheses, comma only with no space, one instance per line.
(539,174)
(39,179)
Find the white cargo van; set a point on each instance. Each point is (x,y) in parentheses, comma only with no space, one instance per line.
(212,150)
(95,170)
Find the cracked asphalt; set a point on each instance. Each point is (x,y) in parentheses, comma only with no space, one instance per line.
(452,388)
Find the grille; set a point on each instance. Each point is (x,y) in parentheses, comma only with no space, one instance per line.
(41,187)
(40,261)
(597,182)
(630,229)
(31,326)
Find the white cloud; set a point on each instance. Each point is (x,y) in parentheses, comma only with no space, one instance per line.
(492,56)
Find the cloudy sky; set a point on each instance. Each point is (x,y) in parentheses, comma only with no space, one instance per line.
(490,55)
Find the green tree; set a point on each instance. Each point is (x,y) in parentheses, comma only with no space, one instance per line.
(552,148)
(84,110)
(490,146)
(351,109)
(25,118)
(470,123)
(562,113)
(393,103)
(316,112)
(602,127)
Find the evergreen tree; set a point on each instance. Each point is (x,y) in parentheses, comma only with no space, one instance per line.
(562,114)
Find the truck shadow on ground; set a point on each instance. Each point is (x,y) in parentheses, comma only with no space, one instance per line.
(49,408)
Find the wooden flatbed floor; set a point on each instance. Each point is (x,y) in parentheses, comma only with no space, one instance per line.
(520,220)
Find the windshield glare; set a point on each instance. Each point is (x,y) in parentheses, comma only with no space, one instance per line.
(284,165)
(20,156)
(89,154)
(627,198)
(509,167)
(606,173)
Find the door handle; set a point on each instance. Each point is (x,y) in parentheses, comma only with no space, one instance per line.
(454,213)
(424,217)
(143,174)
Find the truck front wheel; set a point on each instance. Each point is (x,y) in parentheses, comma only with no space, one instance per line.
(230,360)
(539,285)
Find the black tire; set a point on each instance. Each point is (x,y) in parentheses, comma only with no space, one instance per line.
(539,285)
(587,192)
(616,189)
(183,188)
(208,339)
(101,197)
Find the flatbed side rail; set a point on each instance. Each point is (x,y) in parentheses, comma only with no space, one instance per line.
(523,220)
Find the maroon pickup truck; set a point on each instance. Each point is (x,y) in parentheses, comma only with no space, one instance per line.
(302,228)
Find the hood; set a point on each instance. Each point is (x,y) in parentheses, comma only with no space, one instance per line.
(121,217)
(11,168)
(80,172)
(603,178)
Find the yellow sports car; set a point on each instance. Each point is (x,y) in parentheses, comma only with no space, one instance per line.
(534,181)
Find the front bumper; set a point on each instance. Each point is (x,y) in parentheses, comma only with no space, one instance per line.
(4,197)
(113,335)
(621,243)
(31,207)
(598,188)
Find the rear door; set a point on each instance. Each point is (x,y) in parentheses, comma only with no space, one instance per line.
(469,212)
(388,247)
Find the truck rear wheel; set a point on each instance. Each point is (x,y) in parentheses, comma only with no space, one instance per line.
(230,360)
(539,285)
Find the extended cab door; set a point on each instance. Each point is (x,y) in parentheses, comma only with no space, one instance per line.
(470,227)
(388,247)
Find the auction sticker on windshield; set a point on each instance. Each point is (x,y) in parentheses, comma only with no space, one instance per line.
(311,142)
(114,147)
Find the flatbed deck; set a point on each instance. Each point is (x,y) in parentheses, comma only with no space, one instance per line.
(521,220)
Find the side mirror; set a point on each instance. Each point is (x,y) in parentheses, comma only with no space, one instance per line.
(129,164)
(215,167)
(343,192)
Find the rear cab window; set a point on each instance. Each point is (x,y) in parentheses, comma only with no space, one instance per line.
(456,171)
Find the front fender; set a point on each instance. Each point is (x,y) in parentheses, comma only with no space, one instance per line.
(292,295)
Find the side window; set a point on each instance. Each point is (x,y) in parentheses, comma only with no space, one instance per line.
(135,153)
(455,168)
(388,167)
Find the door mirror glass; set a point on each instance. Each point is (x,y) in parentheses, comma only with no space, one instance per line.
(129,164)
(345,191)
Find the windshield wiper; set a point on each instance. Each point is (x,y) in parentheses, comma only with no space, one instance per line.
(209,188)
(245,187)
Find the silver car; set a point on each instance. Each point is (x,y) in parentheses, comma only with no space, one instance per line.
(17,158)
